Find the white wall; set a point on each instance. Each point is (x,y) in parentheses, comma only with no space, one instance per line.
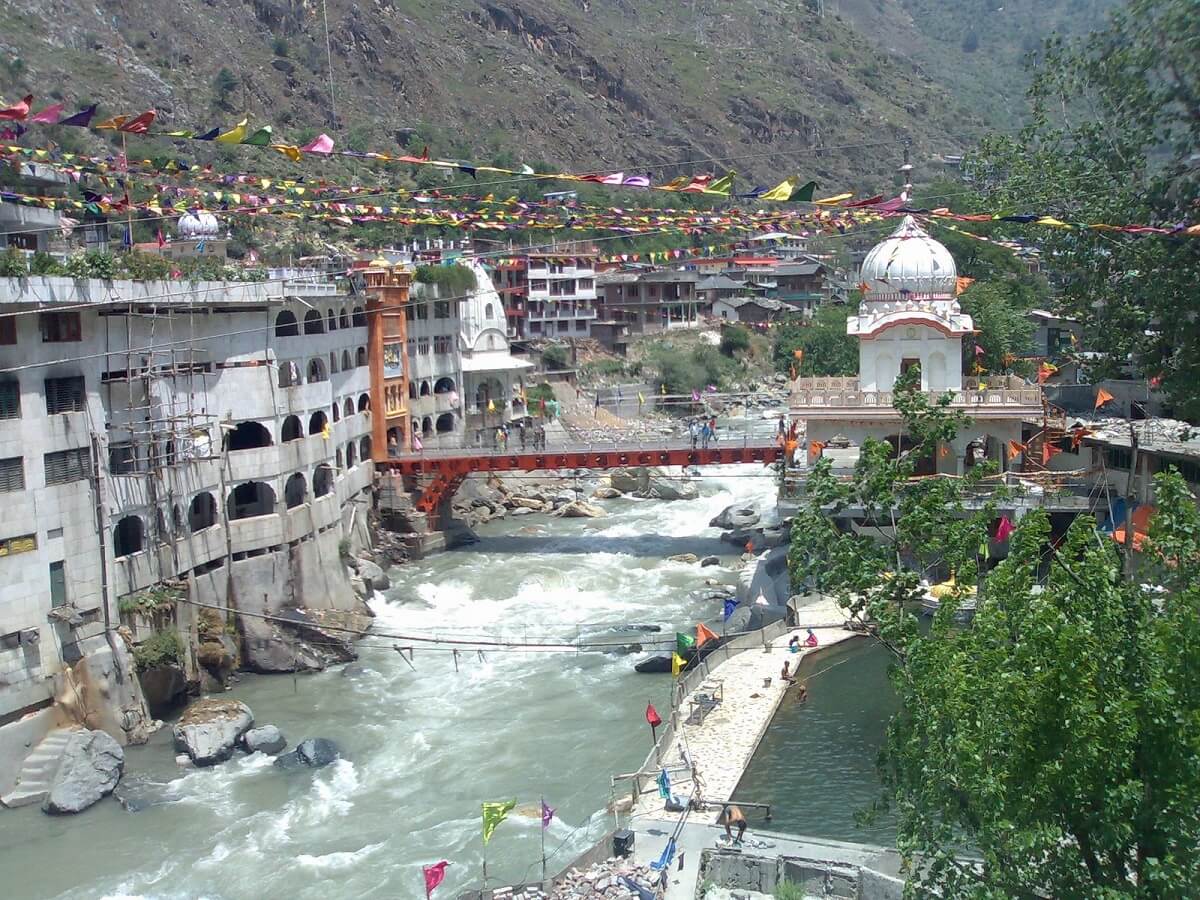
(879,358)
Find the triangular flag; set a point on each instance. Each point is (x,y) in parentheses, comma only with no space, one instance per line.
(260,138)
(781,191)
(140,124)
(495,812)
(49,115)
(1049,449)
(804,193)
(653,719)
(1015,448)
(684,642)
(82,118)
(322,143)
(1102,397)
(730,606)
(235,135)
(722,185)
(677,664)
(704,634)
(1004,529)
(18,111)
(112,124)
(434,875)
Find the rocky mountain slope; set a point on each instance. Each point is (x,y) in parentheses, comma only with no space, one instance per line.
(582,84)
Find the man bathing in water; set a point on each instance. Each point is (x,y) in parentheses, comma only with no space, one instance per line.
(729,817)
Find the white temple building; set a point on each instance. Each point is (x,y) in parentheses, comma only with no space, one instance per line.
(909,316)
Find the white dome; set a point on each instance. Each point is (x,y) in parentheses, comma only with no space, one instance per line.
(909,260)
(197,224)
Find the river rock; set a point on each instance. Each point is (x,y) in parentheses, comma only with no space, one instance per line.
(164,688)
(734,517)
(580,509)
(684,558)
(209,730)
(662,487)
(313,753)
(605,493)
(627,481)
(264,739)
(531,503)
(522,511)
(361,589)
(710,561)
(373,575)
(91,766)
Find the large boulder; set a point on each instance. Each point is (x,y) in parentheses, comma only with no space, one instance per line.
(684,558)
(660,486)
(579,509)
(373,575)
(265,739)
(605,493)
(164,687)
(91,766)
(209,730)
(531,503)
(734,517)
(710,561)
(627,481)
(313,753)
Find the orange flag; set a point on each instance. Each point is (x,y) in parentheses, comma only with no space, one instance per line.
(704,634)
(1102,397)
(799,354)
(1048,450)
(1015,448)
(1078,435)
(815,447)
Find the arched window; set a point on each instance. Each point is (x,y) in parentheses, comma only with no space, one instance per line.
(348,408)
(412,390)
(128,537)
(445,423)
(161,535)
(291,430)
(350,455)
(202,513)
(322,480)
(289,373)
(427,425)
(313,323)
(360,357)
(331,320)
(359,318)
(364,402)
(247,436)
(338,459)
(343,319)
(177,518)
(286,324)
(333,365)
(317,422)
(295,491)
(250,499)
(336,409)
(364,448)
(424,388)
(316,370)
(443,385)
(488,311)
(346,364)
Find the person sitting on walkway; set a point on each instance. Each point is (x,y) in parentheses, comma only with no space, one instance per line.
(794,644)
(786,674)
(811,640)
(730,816)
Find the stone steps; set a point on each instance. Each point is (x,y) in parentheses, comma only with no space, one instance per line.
(39,769)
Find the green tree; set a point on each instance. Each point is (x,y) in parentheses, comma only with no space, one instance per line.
(1050,749)
(1002,331)
(735,338)
(1112,136)
(828,350)
(224,84)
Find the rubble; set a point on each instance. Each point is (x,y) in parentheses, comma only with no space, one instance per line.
(610,880)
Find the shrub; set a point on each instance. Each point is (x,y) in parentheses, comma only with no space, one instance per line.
(12,264)
(453,280)
(101,265)
(45,264)
(279,46)
(555,356)
(77,266)
(160,649)
(735,338)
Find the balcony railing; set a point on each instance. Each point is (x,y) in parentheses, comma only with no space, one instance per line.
(843,393)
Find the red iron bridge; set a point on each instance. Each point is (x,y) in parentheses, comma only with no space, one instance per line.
(437,474)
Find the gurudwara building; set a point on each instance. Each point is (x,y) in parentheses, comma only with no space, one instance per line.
(909,317)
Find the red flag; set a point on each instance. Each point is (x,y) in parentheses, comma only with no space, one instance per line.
(49,115)
(18,111)
(162,241)
(434,875)
(1016,448)
(1102,397)
(140,124)
(652,716)
(704,634)
(1156,381)
(1049,449)
(1004,529)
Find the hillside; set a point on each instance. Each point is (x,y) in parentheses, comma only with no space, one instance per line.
(581,84)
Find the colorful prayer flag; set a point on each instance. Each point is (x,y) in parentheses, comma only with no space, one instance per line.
(730,606)
(678,663)
(1004,529)
(434,875)
(1015,448)
(235,135)
(18,111)
(1049,449)
(139,124)
(322,143)
(49,115)
(260,138)
(82,118)
(653,719)
(684,642)
(495,812)
(704,634)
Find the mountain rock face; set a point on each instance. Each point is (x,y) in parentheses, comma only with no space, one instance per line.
(752,85)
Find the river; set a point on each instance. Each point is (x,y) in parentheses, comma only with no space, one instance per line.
(423,746)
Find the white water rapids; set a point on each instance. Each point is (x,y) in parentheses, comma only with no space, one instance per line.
(421,748)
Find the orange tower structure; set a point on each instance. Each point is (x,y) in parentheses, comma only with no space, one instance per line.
(387,353)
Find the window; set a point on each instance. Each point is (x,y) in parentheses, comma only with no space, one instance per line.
(359,318)
(67,465)
(1117,457)
(64,395)
(122,459)
(441,309)
(489,312)
(10,400)
(286,324)
(12,474)
(422,311)
(8,330)
(58,584)
(585,284)
(563,325)
(59,327)
(423,346)
(313,323)
(442,343)
(537,284)
(23,544)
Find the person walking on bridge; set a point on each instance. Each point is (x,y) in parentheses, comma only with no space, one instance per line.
(712,429)
(705,435)
(694,431)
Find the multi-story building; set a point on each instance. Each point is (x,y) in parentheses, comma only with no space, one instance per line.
(435,367)
(511,278)
(649,302)
(561,297)
(213,436)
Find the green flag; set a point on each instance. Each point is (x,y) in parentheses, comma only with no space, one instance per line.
(803,193)
(494,813)
(722,185)
(260,138)
(684,642)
